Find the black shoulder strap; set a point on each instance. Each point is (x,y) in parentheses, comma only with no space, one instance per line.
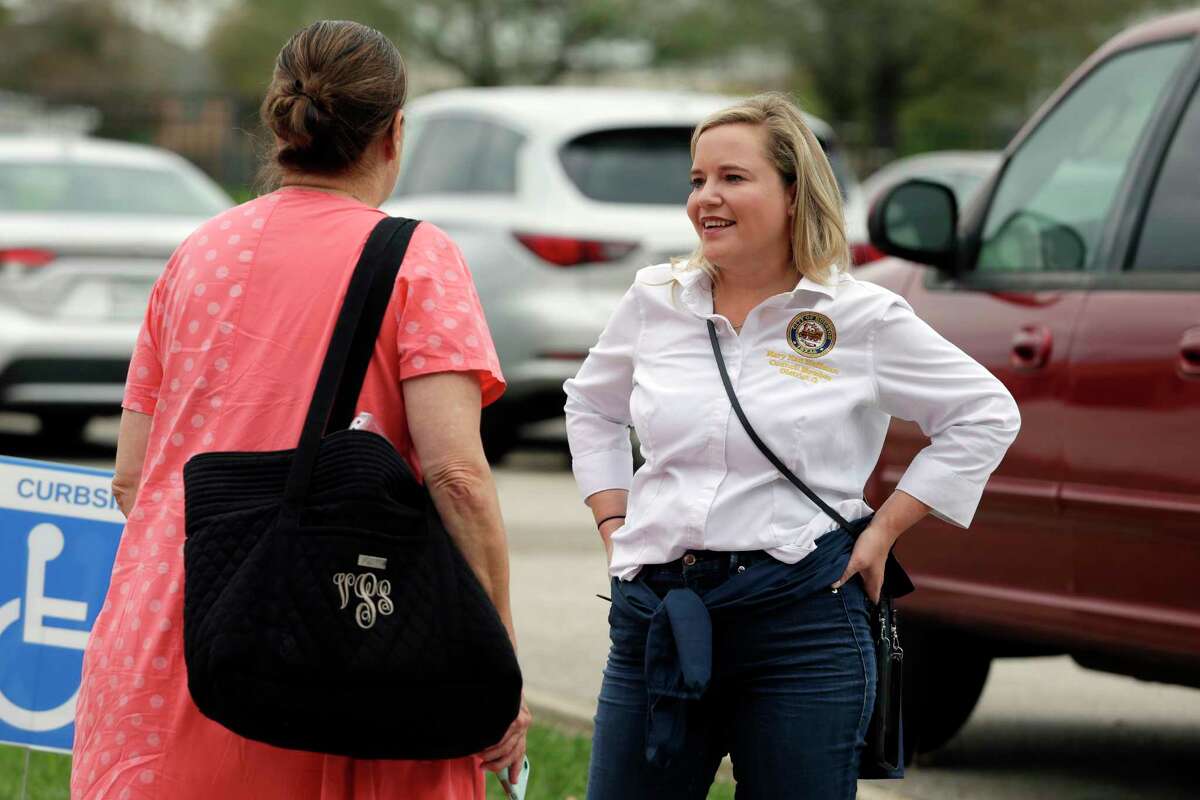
(367,332)
(350,347)
(766,451)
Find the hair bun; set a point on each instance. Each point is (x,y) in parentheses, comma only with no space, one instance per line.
(325,110)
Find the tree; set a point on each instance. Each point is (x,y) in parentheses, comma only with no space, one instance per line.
(920,74)
(487,42)
(495,42)
(89,47)
(244,43)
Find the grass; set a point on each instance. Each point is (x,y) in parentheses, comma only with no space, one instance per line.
(558,766)
(49,774)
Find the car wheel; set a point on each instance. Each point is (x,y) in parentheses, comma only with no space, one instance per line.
(65,427)
(499,434)
(944,675)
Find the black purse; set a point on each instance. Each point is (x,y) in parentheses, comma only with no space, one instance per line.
(884,752)
(325,606)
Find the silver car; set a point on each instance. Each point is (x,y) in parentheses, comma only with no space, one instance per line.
(556,197)
(85,228)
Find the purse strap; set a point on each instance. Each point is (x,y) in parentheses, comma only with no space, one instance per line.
(349,350)
(766,451)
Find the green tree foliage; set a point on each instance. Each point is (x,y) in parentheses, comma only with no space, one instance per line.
(66,45)
(487,42)
(914,75)
(494,42)
(59,48)
(246,39)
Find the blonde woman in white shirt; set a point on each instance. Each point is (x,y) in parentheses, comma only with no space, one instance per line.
(740,610)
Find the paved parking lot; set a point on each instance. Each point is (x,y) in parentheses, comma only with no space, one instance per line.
(1044,730)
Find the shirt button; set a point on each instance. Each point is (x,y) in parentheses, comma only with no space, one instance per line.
(689,560)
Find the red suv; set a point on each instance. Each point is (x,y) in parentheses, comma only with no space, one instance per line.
(1075,277)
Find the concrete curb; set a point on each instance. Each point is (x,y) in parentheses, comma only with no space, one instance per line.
(571,718)
(556,713)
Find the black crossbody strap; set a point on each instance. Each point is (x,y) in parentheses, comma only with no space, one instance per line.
(350,347)
(365,336)
(766,451)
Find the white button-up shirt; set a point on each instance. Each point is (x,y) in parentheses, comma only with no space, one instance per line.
(819,372)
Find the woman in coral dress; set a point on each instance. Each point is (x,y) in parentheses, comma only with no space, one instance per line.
(233,340)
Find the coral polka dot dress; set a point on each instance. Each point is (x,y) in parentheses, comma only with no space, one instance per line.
(227,359)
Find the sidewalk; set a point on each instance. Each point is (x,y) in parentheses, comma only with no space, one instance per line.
(557,569)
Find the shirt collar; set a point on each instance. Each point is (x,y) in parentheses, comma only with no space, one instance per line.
(807,284)
(696,287)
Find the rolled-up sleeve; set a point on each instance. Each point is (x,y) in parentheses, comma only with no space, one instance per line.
(597,409)
(968,414)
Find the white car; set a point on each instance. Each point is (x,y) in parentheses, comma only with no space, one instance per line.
(86,226)
(557,196)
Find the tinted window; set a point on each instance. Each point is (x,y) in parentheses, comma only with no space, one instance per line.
(647,165)
(1054,198)
(104,189)
(456,155)
(1168,240)
(631,165)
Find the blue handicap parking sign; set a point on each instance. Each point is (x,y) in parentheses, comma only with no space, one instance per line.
(59,529)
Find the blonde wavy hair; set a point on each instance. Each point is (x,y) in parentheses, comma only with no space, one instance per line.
(819,249)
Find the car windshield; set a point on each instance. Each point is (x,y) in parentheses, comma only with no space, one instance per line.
(646,165)
(103,189)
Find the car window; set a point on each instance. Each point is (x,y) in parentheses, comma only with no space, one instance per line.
(631,165)
(1053,200)
(1168,240)
(458,154)
(648,165)
(40,187)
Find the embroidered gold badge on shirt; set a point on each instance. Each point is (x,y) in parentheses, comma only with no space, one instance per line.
(811,334)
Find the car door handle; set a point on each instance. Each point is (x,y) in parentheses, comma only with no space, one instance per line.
(1031,347)
(1189,354)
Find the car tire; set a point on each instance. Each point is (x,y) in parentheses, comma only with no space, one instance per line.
(500,435)
(944,675)
(63,427)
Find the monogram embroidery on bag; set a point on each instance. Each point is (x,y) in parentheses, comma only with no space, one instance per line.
(373,592)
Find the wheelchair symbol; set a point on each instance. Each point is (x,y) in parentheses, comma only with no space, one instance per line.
(45,545)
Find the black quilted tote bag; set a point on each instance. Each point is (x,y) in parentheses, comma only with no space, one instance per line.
(325,606)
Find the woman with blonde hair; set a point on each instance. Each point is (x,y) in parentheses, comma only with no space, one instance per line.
(739,622)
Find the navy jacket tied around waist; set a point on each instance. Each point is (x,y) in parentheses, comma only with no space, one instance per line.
(679,640)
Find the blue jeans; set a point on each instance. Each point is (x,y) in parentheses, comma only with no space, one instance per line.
(790,698)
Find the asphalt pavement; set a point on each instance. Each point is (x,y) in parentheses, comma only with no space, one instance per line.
(1045,729)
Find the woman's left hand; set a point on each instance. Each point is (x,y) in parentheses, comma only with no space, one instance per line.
(509,754)
(868,559)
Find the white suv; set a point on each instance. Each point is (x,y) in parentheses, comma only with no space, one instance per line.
(85,229)
(557,196)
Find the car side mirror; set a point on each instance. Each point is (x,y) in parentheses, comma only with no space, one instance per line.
(916,220)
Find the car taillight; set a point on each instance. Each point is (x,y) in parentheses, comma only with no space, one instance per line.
(25,257)
(865,253)
(565,251)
